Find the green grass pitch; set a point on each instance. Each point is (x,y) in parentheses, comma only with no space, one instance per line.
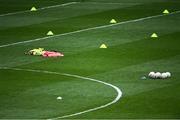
(80,27)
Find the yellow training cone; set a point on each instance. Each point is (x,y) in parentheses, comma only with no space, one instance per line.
(103,46)
(50,33)
(154,35)
(166,12)
(113,21)
(33,9)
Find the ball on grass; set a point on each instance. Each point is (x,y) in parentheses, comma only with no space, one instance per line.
(158,75)
(59,98)
(151,74)
(168,74)
(164,75)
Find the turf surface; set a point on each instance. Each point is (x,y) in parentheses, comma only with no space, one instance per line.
(131,54)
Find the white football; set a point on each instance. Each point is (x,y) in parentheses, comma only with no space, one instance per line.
(168,74)
(158,75)
(151,74)
(164,75)
(59,98)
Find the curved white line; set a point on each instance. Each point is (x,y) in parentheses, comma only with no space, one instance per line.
(119,93)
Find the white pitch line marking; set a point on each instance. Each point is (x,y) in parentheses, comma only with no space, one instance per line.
(119,92)
(87,29)
(54,6)
(115,3)
(48,7)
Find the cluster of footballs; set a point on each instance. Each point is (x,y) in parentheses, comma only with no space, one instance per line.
(158,75)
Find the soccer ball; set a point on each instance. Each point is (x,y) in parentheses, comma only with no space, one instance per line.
(59,98)
(168,74)
(158,75)
(164,75)
(152,75)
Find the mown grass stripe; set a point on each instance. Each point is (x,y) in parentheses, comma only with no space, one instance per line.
(83,30)
(48,7)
